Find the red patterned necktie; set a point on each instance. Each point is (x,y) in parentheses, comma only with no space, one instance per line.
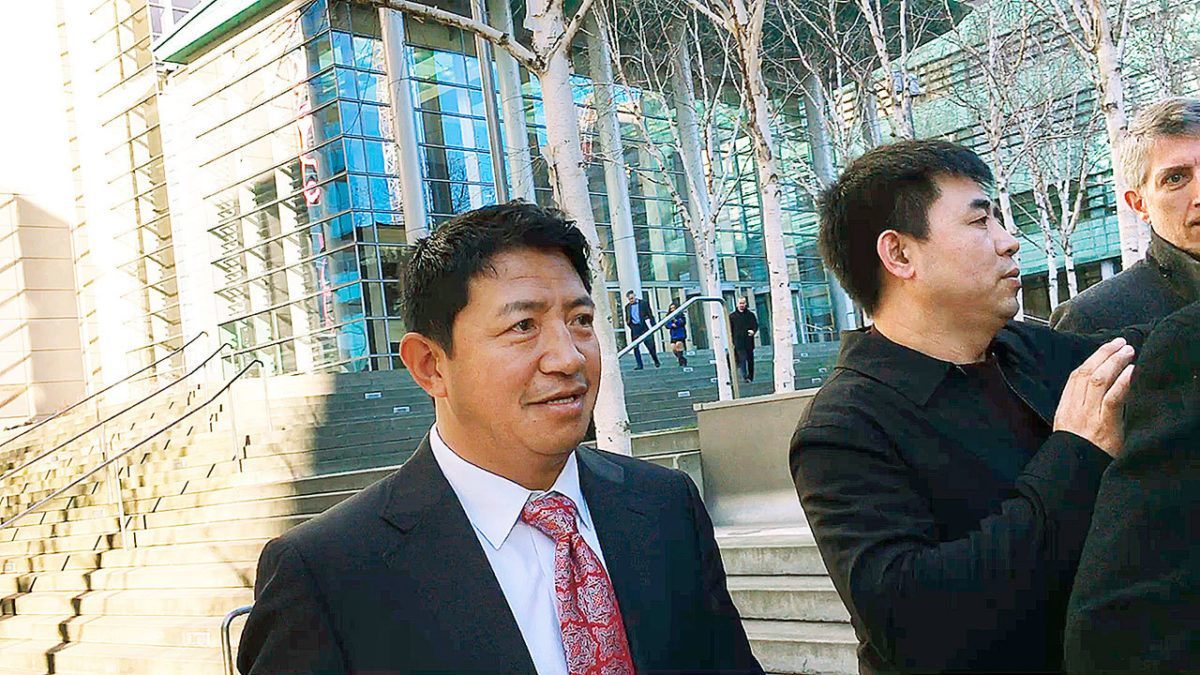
(593,633)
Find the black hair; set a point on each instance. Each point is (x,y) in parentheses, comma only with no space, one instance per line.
(888,188)
(437,273)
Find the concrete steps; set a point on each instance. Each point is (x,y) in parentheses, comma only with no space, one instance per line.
(200,504)
(793,616)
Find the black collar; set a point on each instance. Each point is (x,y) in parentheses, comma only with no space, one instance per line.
(916,375)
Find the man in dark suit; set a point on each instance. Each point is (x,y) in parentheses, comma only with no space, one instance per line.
(1136,603)
(639,318)
(949,465)
(744,326)
(502,546)
(1160,161)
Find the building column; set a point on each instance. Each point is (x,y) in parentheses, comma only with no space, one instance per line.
(512,108)
(615,177)
(1107,269)
(845,314)
(416,216)
(483,53)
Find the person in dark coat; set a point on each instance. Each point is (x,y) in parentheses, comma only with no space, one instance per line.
(1160,160)
(744,326)
(639,319)
(502,545)
(1135,607)
(949,465)
(678,328)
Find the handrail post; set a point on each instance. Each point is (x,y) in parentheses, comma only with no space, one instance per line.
(226,641)
(114,478)
(233,429)
(262,374)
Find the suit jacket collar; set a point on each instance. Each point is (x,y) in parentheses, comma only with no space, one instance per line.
(1178,268)
(632,549)
(422,507)
(436,546)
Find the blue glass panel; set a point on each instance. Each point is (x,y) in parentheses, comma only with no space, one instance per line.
(343,48)
(351,117)
(352,343)
(337,195)
(368,53)
(348,301)
(345,83)
(341,230)
(315,19)
(333,160)
(354,155)
(370,121)
(326,124)
(375,157)
(322,88)
(370,87)
(381,194)
(318,54)
(360,191)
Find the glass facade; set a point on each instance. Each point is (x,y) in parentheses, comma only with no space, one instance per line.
(302,195)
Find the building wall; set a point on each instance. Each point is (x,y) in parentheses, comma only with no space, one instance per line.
(41,362)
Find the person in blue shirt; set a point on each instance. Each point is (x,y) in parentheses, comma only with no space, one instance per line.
(678,328)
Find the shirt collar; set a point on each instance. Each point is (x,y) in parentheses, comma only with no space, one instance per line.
(494,503)
(914,374)
(1177,266)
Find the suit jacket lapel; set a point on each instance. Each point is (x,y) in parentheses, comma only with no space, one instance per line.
(632,550)
(437,547)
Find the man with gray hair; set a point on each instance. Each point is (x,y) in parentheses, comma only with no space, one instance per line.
(1160,162)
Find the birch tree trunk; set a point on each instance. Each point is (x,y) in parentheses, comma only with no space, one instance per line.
(702,214)
(546,21)
(822,161)
(1069,264)
(747,33)
(1134,235)
(1051,263)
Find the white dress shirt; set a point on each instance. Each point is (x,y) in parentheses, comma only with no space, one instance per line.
(521,557)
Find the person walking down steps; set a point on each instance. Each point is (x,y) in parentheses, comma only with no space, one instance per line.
(678,328)
(638,318)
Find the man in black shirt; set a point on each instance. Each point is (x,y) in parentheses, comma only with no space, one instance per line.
(949,466)
(744,326)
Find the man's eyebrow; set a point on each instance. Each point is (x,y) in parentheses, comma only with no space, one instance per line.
(1163,173)
(981,204)
(581,301)
(517,306)
(523,306)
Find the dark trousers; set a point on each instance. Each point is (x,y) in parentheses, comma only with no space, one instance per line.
(745,362)
(649,344)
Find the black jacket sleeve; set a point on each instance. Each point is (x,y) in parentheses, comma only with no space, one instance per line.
(924,602)
(730,647)
(288,630)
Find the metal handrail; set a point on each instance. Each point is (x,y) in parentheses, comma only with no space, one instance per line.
(1037,319)
(119,382)
(126,451)
(226,643)
(679,310)
(110,418)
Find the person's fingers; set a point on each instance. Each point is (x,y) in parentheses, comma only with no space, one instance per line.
(1098,357)
(1115,397)
(1107,372)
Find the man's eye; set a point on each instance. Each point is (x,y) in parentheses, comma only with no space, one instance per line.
(1174,178)
(523,326)
(584,319)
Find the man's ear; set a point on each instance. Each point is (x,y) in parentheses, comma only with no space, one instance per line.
(426,363)
(893,251)
(1135,202)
